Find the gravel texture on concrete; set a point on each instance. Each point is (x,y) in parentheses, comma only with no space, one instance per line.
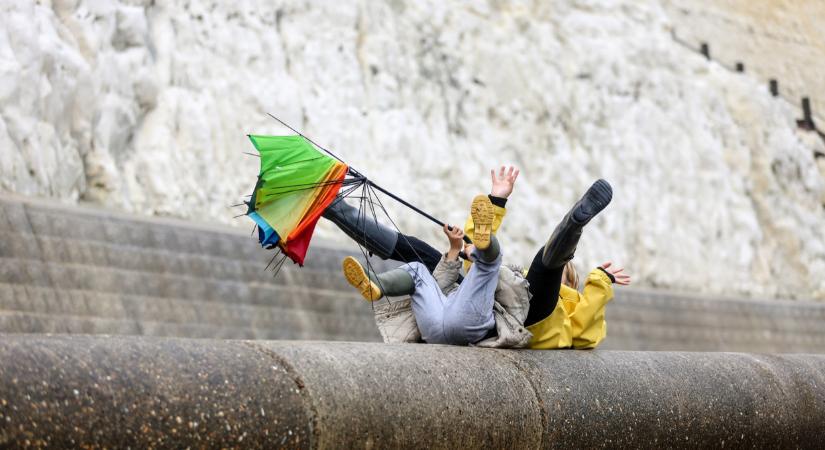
(79,391)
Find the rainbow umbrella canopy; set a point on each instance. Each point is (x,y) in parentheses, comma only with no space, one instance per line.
(295,185)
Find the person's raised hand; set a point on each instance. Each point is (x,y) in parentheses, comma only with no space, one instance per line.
(504,181)
(621,278)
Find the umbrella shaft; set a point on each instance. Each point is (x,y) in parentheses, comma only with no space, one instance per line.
(413,207)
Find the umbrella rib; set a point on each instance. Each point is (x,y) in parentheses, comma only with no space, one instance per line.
(355,172)
(273,259)
(404,236)
(308,139)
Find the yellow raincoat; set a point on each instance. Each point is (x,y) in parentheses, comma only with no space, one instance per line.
(578,319)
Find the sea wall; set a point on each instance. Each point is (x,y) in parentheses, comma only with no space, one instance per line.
(122,392)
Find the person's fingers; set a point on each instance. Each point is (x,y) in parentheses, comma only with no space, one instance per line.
(510,172)
(616,271)
(606,265)
(493,175)
(623,280)
(501,172)
(515,175)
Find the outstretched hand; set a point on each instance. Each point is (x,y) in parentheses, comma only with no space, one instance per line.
(504,181)
(621,278)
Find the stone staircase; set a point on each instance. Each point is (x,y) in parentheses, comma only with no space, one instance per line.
(81,270)
(639,319)
(84,270)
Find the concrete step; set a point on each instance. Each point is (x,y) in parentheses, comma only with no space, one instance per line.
(645,335)
(725,316)
(306,327)
(76,302)
(160,276)
(295,290)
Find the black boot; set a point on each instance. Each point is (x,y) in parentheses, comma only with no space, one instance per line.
(378,239)
(562,243)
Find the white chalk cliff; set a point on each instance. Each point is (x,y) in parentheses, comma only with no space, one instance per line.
(143,106)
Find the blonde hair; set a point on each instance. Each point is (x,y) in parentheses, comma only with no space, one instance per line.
(569,276)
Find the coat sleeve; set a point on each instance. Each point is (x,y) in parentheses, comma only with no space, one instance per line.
(588,322)
(469,227)
(446,273)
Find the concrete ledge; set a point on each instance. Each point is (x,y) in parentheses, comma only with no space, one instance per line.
(76,391)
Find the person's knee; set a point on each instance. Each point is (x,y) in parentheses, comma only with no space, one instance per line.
(416,267)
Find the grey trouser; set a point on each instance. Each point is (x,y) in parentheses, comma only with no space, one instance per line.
(463,317)
(362,228)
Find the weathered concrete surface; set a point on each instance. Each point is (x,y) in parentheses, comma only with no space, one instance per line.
(73,391)
(116,393)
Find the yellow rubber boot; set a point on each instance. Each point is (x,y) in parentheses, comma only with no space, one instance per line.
(357,277)
(481,211)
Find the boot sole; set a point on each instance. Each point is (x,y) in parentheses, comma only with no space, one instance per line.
(481,211)
(357,277)
(600,193)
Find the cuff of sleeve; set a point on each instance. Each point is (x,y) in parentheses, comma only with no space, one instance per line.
(456,264)
(498,201)
(609,275)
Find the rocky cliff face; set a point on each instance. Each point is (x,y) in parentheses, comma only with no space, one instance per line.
(775,39)
(143,106)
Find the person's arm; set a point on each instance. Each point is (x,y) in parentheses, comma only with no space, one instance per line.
(447,271)
(588,322)
(501,187)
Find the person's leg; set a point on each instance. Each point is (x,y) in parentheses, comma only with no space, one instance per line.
(377,238)
(547,267)
(468,313)
(427,303)
(411,279)
(380,239)
(411,249)
(373,286)
(561,246)
(545,284)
